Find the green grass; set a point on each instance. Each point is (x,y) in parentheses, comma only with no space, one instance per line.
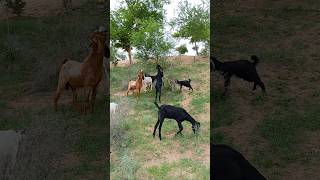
(140,122)
(281,35)
(188,167)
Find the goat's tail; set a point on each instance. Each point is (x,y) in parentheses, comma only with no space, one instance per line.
(157,105)
(255,60)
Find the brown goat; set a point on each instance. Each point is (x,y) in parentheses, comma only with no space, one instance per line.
(85,75)
(136,85)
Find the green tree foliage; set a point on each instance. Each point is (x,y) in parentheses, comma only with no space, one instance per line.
(150,40)
(193,23)
(182,49)
(129,18)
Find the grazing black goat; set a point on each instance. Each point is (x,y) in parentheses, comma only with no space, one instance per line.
(159,82)
(243,69)
(176,113)
(228,164)
(185,83)
(152,77)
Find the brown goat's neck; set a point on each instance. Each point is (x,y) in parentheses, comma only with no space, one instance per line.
(95,58)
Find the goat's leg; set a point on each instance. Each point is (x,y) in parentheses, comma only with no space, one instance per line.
(227,77)
(156,95)
(263,88)
(87,102)
(160,126)
(191,88)
(61,86)
(160,95)
(155,127)
(254,86)
(180,87)
(75,99)
(56,98)
(93,98)
(180,127)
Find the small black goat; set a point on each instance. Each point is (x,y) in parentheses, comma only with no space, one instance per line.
(185,83)
(241,68)
(176,113)
(228,164)
(159,82)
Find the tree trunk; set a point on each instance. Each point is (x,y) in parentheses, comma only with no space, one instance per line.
(130,55)
(196,48)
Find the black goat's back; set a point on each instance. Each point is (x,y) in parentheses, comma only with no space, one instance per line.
(173,112)
(228,164)
(242,68)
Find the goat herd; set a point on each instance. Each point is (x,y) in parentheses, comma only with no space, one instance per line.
(145,81)
(228,163)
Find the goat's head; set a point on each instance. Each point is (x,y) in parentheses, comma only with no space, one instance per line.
(141,75)
(196,127)
(158,67)
(98,40)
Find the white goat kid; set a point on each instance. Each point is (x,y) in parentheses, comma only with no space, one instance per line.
(147,83)
(113,108)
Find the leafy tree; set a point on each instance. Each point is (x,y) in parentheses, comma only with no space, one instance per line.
(193,23)
(150,40)
(182,49)
(129,17)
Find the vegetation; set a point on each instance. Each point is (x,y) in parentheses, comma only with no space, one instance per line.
(129,22)
(175,155)
(277,132)
(193,23)
(182,49)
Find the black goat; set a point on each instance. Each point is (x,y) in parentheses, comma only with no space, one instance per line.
(159,82)
(241,68)
(228,164)
(185,83)
(176,113)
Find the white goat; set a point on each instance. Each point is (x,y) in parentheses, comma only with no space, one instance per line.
(147,83)
(113,108)
(9,145)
